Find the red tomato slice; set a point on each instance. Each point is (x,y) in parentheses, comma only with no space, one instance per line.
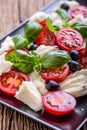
(43,23)
(58,102)
(10,81)
(46,37)
(58,74)
(75,10)
(83,58)
(69,39)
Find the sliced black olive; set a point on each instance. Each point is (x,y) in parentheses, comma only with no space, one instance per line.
(33,47)
(74,55)
(65,6)
(74,66)
(52,85)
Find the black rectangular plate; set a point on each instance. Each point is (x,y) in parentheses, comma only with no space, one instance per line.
(71,121)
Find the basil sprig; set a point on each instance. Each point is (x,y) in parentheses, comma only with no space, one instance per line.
(19,42)
(29,62)
(63,14)
(80,27)
(31,30)
(55,59)
(25,62)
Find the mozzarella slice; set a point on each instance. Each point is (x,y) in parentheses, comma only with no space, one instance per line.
(7,45)
(29,95)
(38,82)
(39,16)
(5,66)
(76,83)
(42,49)
(55,18)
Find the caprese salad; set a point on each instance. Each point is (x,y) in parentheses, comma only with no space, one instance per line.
(47,66)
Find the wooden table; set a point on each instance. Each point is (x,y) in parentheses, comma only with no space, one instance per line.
(12,12)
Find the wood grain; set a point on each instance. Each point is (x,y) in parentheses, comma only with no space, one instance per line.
(12,12)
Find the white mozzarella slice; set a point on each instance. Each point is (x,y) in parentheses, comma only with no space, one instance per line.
(38,82)
(76,83)
(5,66)
(55,18)
(7,45)
(78,18)
(42,49)
(39,16)
(29,95)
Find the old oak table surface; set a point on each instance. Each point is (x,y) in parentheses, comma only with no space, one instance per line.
(12,13)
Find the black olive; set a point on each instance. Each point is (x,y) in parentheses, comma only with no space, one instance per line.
(33,47)
(74,66)
(52,85)
(74,55)
(65,6)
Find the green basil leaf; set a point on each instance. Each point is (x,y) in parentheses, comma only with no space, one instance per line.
(63,14)
(50,26)
(25,62)
(80,27)
(55,59)
(57,28)
(31,30)
(20,42)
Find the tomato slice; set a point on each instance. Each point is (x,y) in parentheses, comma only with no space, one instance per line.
(46,37)
(10,81)
(58,102)
(83,58)
(43,23)
(75,10)
(58,74)
(69,39)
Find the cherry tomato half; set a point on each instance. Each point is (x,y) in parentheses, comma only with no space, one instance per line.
(75,10)
(69,39)
(46,37)
(58,74)
(10,81)
(83,58)
(58,102)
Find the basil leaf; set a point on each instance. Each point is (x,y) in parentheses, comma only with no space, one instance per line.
(50,26)
(25,62)
(31,30)
(55,59)
(80,27)
(20,42)
(63,14)
(57,28)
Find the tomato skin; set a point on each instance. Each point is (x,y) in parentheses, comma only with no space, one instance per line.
(75,10)
(10,81)
(52,76)
(58,102)
(43,23)
(46,37)
(69,39)
(83,58)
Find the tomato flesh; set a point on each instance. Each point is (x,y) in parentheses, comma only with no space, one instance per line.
(10,81)
(83,58)
(58,102)
(69,39)
(75,10)
(58,74)
(46,37)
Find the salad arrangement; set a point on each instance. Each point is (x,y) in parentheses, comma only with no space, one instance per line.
(47,66)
